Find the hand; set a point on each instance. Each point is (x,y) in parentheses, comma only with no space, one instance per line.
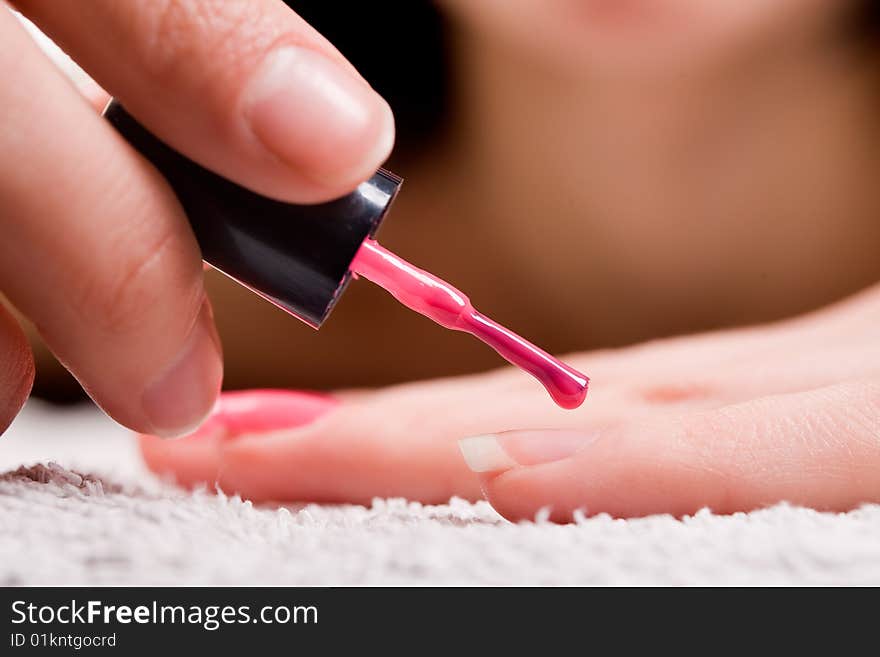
(732,421)
(95,248)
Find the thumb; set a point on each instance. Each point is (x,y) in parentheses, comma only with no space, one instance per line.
(819,448)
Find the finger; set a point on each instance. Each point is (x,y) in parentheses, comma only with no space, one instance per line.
(755,361)
(400,441)
(247,89)
(82,81)
(197,459)
(16,368)
(93,93)
(339,451)
(97,253)
(819,448)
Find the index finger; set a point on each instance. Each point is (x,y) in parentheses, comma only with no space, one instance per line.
(247,89)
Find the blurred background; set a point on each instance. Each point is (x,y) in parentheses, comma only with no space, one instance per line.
(593,173)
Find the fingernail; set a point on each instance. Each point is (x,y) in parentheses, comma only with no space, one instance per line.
(511,449)
(318,117)
(183,395)
(197,457)
(251,412)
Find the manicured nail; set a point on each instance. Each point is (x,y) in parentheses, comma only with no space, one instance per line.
(252,412)
(198,457)
(511,449)
(318,117)
(183,395)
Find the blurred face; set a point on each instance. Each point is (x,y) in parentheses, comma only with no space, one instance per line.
(620,36)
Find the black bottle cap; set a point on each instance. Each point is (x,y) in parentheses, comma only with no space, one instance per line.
(296,256)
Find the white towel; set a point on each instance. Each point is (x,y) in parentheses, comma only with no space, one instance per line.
(59,525)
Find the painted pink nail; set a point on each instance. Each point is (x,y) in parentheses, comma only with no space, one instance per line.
(511,449)
(249,412)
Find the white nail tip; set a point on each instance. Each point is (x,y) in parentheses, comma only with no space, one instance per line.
(485,454)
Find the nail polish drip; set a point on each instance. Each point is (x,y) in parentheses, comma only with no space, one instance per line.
(439,301)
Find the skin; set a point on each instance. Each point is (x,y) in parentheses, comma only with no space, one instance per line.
(96,252)
(698,159)
(623,193)
(733,420)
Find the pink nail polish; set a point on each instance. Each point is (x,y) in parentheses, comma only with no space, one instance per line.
(245,412)
(438,300)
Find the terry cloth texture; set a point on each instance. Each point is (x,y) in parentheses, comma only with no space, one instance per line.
(61,525)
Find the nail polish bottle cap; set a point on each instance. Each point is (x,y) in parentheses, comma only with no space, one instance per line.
(296,256)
